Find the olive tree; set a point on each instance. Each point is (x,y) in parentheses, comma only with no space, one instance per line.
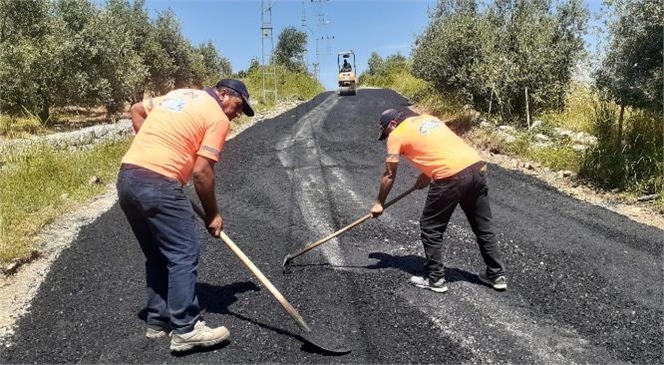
(631,71)
(489,53)
(25,64)
(215,66)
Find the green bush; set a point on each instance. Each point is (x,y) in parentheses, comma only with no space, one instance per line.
(633,164)
(578,112)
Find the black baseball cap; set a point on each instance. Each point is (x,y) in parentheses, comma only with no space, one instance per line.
(385,118)
(239,87)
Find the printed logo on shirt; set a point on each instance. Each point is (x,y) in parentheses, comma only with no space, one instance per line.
(174,105)
(429,125)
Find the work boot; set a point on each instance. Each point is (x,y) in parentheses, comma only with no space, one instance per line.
(498,283)
(201,336)
(422,282)
(157,332)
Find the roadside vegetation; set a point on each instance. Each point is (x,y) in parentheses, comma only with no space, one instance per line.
(511,66)
(68,64)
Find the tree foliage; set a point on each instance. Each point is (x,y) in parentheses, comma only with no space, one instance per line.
(215,66)
(58,53)
(489,53)
(377,66)
(374,64)
(631,72)
(290,49)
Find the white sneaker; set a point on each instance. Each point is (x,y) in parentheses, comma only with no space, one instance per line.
(156,333)
(498,283)
(422,282)
(201,336)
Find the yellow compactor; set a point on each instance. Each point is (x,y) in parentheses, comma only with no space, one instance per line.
(346,77)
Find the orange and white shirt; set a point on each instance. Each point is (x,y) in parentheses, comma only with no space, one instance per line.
(180,125)
(430,146)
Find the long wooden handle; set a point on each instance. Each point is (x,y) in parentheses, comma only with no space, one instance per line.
(259,275)
(348,227)
(327,238)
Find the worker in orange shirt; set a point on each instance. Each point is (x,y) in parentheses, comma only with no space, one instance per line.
(455,175)
(178,137)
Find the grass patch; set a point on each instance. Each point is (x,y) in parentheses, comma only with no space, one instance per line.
(19,127)
(37,186)
(557,157)
(579,112)
(290,85)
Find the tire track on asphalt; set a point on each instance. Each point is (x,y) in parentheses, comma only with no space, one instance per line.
(313,173)
(472,316)
(306,165)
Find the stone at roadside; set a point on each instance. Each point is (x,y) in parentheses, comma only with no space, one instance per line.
(560,132)
(485,124)
(506,137)
(646,198)
(506,128)
(541,145)
(530,165)
(585,138)
(564,173)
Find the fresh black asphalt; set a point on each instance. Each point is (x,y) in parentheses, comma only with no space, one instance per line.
(585,284)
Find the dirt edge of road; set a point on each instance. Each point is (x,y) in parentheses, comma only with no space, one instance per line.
(637,211)
(17,290)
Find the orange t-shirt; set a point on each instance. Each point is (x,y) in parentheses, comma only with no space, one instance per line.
(430,146)
(180,125)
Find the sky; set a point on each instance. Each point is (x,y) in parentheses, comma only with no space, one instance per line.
(363,26)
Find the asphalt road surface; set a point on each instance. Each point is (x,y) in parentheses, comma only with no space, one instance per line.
(585,284)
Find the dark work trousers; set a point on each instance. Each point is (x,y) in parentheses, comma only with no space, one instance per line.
(469,189)
(163,221)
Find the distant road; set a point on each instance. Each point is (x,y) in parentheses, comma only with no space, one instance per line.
(585,284)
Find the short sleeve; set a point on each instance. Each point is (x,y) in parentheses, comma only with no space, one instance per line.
(213,140)
(393,148)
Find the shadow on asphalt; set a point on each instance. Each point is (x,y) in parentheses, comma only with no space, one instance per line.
(218,346)
(414,265)
(217,299)
(411,264)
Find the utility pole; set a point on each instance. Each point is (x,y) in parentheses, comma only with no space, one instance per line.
(305,29)
(322,25)
(269,71)
(325,38)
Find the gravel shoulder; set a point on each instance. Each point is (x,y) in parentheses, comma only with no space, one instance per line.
(639,212)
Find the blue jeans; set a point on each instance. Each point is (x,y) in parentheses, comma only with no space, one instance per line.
(163,221)
(469,189)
